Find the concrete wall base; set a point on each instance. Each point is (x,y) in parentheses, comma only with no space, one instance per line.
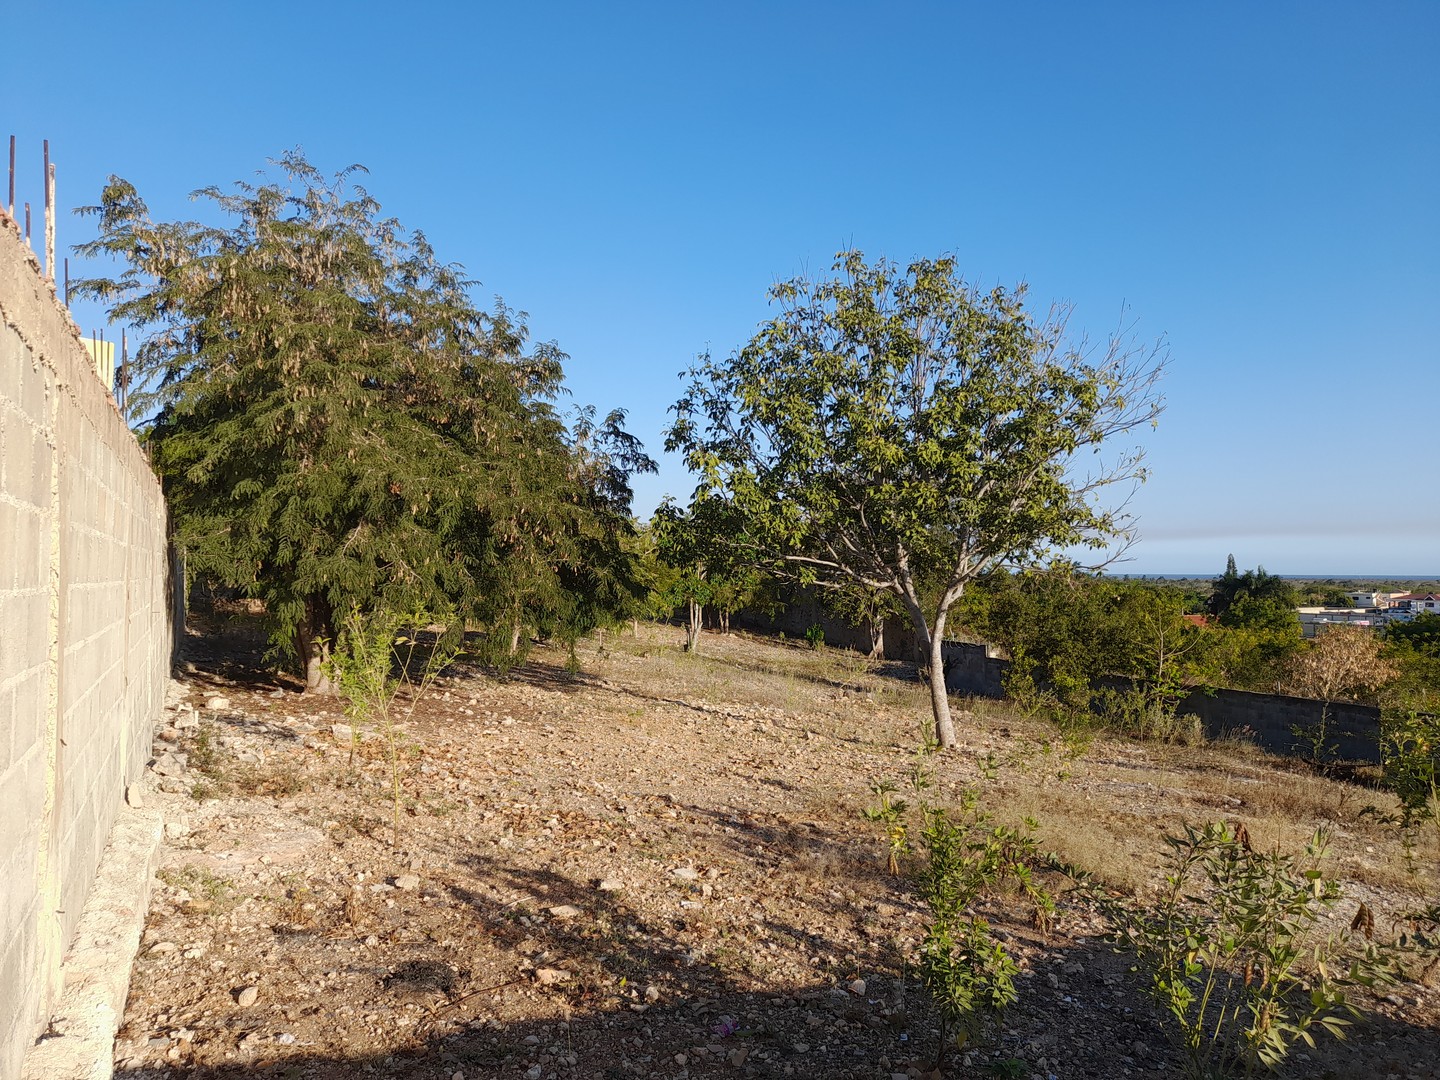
(79,1044)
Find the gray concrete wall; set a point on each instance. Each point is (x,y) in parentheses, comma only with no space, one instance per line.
(85,634)
(1268,720)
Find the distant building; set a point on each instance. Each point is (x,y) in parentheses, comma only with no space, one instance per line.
(1419,603)
(1369,599)
(1315,620)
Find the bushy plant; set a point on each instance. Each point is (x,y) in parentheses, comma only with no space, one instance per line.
(1237,953)
(1410,758)
(964,852)
(968,973)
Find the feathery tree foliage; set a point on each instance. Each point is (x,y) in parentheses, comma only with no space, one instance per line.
(336,423)
(897,429)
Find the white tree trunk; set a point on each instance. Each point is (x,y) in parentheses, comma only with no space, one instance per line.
(932,658)
(692,634)
(939,695)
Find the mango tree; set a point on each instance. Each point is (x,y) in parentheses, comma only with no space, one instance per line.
(898,429)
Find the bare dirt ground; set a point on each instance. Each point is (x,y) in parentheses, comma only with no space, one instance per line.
(657,867)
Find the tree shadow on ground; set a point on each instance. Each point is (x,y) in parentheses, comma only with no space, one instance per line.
(1080,1015)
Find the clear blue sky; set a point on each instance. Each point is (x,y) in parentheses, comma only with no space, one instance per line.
(1258,182)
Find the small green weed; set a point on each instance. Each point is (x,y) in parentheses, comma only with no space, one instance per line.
(207,889)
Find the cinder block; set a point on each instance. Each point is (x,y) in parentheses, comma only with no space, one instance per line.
(35,390)
(20,987)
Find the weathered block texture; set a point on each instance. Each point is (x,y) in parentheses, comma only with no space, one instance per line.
(85,634)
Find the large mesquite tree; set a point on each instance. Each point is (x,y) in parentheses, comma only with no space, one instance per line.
(337,425)
(897,429)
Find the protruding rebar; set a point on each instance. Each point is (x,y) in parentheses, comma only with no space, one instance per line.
(49,218)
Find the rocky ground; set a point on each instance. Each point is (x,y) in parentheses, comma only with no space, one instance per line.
(657,866)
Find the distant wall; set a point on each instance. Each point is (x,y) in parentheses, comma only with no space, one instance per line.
(85,634)
(1267,720)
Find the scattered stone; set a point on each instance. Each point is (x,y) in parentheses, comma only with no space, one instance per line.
(740,1053)
(174,830)
(185,721)
(549,976)
(610,884)
(565,911)
(407,881)
(857,987)
(217,703)
(685,873)
(652,994)
(247,996)
(160,948)
(343,733)
(134,796)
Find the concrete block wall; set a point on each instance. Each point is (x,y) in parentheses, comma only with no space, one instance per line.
(85,634)
(1268,720)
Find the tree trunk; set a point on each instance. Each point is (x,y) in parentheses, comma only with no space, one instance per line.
(314,636)
(939,696)
(692,628)
(931,650)
(877,640)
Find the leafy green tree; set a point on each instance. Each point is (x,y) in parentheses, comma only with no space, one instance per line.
(861,605)
(337,424)
(1414,648)
(711,564)
(1068,633)
(1232,587)
(898,429)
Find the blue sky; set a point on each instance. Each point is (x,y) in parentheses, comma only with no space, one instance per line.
(1257,182)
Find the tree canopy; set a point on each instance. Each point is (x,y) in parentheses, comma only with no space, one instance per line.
(336,423)
(898,429)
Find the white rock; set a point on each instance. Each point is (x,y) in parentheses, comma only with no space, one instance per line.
(217,703)
(548,976)
(134,796)
(685,873)
(857,987)
(247,996)
(407,881)
(565,911)
(611,884)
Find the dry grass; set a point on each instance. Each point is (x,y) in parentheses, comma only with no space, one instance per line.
(1102,804)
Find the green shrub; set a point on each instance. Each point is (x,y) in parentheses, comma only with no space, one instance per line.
(1410,757)
(963,854)
(1237,957)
